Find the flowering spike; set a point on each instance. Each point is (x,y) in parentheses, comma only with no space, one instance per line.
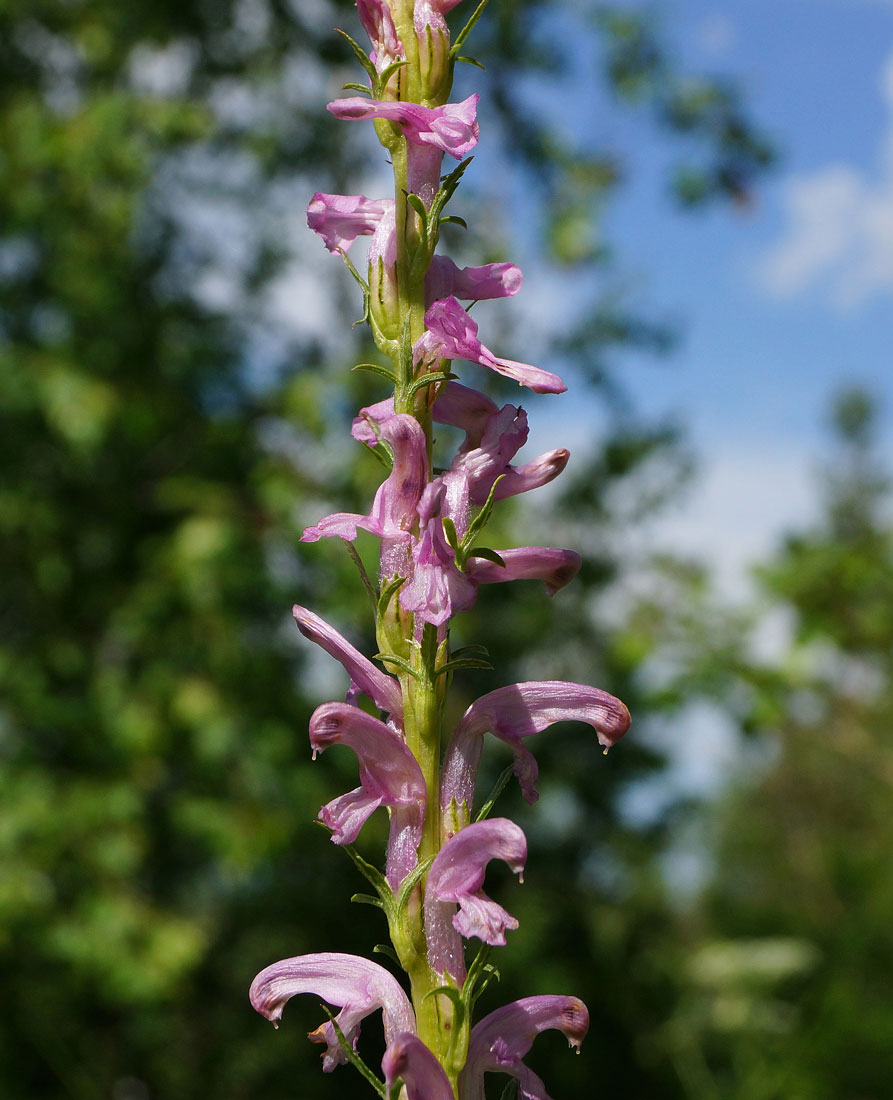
(358,986)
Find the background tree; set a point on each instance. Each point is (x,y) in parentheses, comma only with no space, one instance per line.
(790,951)
(164,433)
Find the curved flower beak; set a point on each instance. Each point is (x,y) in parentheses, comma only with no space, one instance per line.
(408,1059)
(389,776)
(456,878)
(382,689)
(515,712)
(500,1041)
(359,987)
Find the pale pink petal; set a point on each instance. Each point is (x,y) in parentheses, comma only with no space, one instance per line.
(451,128)
(555,568)
(408,1059)
(389,776)
(382,689)
(515,712)
(358,986)
(340,219)
(500,1041)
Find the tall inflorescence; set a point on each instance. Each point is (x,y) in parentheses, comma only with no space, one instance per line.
(432,562)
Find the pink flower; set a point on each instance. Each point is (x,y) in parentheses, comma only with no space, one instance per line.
(375,15)
(394,508)
(340,219)
(555,568)
(451,128)
(382,689)
(453,335)
(500,1041)
(475,284)
(389,776)
(515,712)
(408,1059)
(456,878)
(359,987)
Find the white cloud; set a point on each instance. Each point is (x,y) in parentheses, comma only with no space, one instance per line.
(840,229)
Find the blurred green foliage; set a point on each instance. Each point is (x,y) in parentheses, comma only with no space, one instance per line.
(162,441)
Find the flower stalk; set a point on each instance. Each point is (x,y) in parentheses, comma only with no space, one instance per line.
(433,559)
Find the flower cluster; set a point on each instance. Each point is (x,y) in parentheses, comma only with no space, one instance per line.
(431,564)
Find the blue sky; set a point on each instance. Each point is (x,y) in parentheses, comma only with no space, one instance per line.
(783,303)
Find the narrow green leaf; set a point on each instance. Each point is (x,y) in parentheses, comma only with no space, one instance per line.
(454,219)
(404,666)
(388,592)
(462,662)
(386,949)
(385,76)
(373,876)
(361,569)
(360,54)
(469,61)
(411,881)
(374,368)
(486,553)
(355,1060)
(452,535)
(416,203)
(468,28)
(498,787)
(356,88)
(367,899)
(431,379)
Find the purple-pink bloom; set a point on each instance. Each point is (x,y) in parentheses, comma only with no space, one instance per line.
(475,284)
(382,689)
(389,776)
(408,1059)
(555,568)
(359,987)
(452,334)
(340,219)
(463,407)
(499,1042)
(517,711)
(451,128)
(394,508)
(438,590)
(456,878)
(375,16)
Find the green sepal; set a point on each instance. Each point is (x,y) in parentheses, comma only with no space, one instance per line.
(467,29)
(463,662)
(448,185)
(469,61)
(375,368)
(386,949)
(453,219)
(430,380)
(355,1060)
(498,787)
(374,877)
(411,881)
(395,1089)
(486,553)
(356,88)
(367,899)
(481,519)
(416,203)
(360,54)
(382,80)
(388,592)
(404,666)
(475,647)
(452,535)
